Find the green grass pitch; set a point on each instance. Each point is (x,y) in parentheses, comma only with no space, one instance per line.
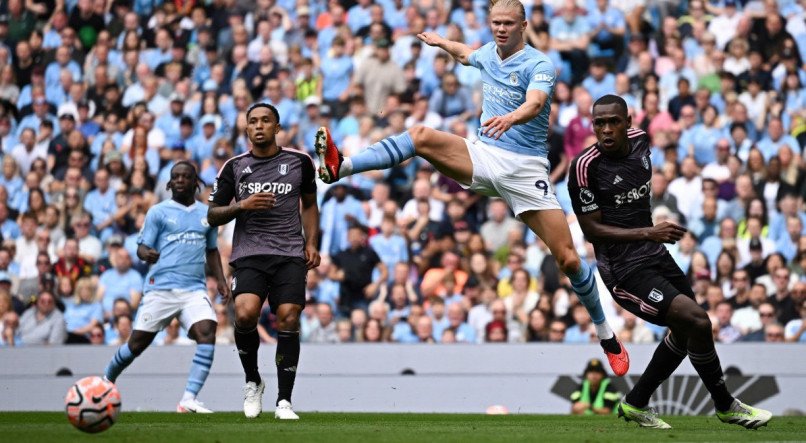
(142,427)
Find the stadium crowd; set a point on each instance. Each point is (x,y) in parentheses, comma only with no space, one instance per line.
(99,98)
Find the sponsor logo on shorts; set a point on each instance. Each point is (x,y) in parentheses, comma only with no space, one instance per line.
(146,317)
(234,282)
(655,295)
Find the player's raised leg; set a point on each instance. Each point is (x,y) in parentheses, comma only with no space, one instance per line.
(551,226)
(247,340)
(447,152)
(686,315)
(203,332)
(287,358)
(125,355)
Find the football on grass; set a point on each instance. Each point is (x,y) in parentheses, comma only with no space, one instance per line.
(92,404)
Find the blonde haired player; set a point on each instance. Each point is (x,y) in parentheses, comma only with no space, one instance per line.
(509,159)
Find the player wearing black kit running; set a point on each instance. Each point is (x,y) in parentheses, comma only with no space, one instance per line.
(609,184)
(262,190)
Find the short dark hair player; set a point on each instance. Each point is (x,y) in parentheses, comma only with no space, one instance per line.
(274,245)
(609,184)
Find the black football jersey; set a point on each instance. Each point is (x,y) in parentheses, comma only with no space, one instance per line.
(620,188)
(278,231)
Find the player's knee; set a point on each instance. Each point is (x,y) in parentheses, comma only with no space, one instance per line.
(137,347)
(289,322)
(245,322)
(205,335)
(419,136)
(569,263)
(701,323)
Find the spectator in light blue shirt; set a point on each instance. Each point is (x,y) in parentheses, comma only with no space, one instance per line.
(607,26)
(570,35)
(451,100)
(63,61)
(599,82)
(337,69)
(581,331)
(100,203)
(202,145)
(359,15)
(120,282)
(328,35)
(456,321)
(169,122)
(776,138)
(8,228)
(391,247)
(337,215)
(787,244)
(82,312)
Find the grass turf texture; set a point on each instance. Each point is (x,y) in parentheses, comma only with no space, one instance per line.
(143,427)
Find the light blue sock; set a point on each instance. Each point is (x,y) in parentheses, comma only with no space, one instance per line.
(584,284)
(120,361)
(386,153)
(200,368)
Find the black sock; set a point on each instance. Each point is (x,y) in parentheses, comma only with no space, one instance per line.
(707,365)
(611,345)
(247,342)
(668,356)
(286,359)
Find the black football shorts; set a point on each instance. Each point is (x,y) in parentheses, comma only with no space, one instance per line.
(648,292)
(280,278)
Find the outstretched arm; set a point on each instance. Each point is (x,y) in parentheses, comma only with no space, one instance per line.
(459,51)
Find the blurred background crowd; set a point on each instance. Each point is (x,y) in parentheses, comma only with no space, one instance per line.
(98,99)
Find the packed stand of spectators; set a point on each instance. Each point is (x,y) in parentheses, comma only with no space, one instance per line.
(99,98)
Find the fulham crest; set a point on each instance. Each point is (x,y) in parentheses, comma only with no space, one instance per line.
(283,168)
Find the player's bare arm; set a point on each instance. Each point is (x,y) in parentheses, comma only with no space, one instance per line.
(219,215)
(596,231)
(146,254)
(310,224)
(214,262)
(459,51)
(495,127)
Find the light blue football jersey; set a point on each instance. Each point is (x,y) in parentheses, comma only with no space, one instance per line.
(504,84)
(182,236)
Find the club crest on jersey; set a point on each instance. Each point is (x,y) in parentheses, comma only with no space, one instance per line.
(283,168)
(586,196)
(204,222)
(645,162)
(655,295)
(513,79)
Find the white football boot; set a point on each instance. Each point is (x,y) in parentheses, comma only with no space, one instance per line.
(284,411)
(253,399)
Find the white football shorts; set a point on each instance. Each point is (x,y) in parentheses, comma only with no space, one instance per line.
(521,180)
(159,307)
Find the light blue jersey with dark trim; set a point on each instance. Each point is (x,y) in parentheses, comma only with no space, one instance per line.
(505,83)
(182,236)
